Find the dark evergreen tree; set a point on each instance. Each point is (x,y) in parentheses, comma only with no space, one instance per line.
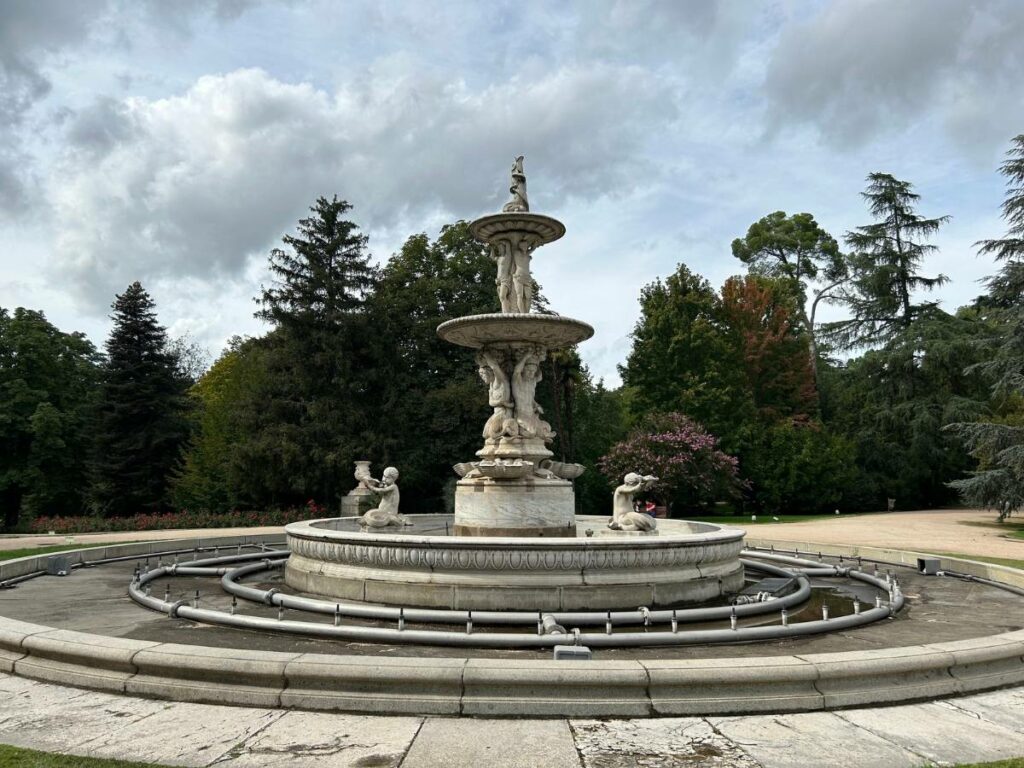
(141,422)
(48,387)
(886,258)
(998,440)
(318,400)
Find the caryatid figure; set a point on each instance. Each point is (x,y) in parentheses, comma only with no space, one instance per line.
(502,422)
(522,280)
(501,252)
(525,377)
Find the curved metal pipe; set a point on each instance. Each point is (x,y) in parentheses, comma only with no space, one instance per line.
(508,640)
(527,618)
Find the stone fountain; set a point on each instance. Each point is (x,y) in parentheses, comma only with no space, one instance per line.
(515,489)
(515,541)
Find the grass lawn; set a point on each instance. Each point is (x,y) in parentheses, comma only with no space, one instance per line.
(1013,762)
(15,757)
(984,559)
(11,554)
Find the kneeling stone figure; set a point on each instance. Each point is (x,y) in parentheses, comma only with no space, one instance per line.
(624,518)
(386,512)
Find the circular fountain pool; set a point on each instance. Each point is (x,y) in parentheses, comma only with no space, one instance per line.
(684,562)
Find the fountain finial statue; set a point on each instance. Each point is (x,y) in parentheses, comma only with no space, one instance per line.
(519,202)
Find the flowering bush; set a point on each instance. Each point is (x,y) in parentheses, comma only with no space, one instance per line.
(168,520)
(685,458)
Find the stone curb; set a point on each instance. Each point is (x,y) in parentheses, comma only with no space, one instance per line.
(512,687)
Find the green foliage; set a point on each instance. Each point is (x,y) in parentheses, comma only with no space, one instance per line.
(598,422)
(308,395)
(684,358)
(47,391)
(997,440)
(893,404)
(141,423)
(797,468)
(887,255)
(433,403)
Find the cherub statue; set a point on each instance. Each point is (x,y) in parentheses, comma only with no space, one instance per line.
(518,203)
(624,518)
(386,512)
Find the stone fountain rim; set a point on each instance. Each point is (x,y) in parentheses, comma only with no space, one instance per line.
(305,529)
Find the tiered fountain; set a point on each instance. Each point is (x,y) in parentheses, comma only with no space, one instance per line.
(515,541)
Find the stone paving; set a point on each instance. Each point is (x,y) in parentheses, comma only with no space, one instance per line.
(49,717)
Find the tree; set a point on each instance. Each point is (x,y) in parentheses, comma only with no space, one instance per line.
(691,470)
(795,248)
(764,317)
(141,424)
(684,358)
(434,404)
(998,441)
(894,402)
(48,386)
(887,255)
(316,403)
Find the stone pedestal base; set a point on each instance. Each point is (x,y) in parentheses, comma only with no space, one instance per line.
(357,502)
(528,506)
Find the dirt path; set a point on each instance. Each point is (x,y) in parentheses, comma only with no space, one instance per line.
(970,531)
(27,542)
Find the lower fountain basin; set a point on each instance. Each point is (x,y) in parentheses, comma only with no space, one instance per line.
(684,562)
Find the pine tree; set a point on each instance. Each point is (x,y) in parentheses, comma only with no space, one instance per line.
(141,422)
(318,401)
(797,249)
(887,255)
(998,442)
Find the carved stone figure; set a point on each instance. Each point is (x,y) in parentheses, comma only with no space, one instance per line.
(624,518)
(522,281)
(518,203)
(501,252)
(502,422)
(386,512)
(525,377)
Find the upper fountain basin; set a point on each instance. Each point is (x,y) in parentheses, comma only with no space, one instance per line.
(550,331)
(545,228)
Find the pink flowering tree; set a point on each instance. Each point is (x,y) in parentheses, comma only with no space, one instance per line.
(692,471)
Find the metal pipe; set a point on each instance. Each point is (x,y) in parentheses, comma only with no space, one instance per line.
(230,583)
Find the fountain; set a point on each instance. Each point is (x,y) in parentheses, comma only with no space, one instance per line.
(515,541)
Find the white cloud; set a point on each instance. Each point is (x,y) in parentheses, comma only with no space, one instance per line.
(870,68)
(193,185)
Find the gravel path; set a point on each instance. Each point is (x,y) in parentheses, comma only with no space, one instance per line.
(967,531)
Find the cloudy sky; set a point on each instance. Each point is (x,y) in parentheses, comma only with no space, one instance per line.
(175,142)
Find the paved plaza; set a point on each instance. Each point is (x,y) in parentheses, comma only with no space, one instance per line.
(53,718)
